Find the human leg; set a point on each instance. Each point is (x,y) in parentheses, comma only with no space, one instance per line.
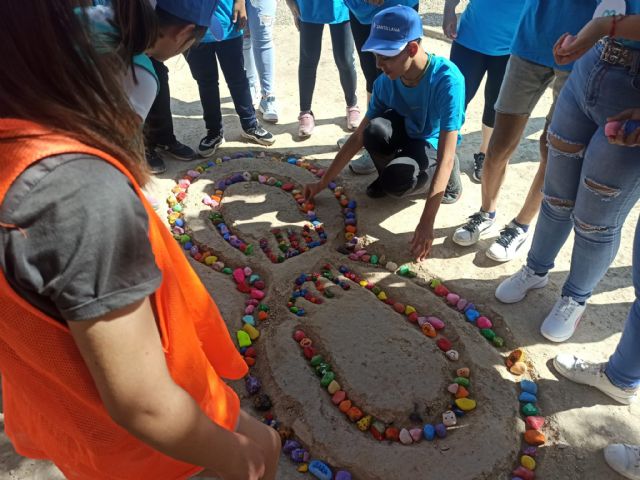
(310,49)
(204,69)
(360,34)
(343,55)
(250,66)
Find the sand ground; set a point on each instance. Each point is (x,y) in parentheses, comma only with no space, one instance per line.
(384,362)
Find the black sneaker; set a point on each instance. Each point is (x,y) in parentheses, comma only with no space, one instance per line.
(210,143)
(259,135)
(179,151)
(453,192)
(478,162)
(156,164)
(375,190)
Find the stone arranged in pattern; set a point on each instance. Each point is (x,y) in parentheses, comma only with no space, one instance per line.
(533,436)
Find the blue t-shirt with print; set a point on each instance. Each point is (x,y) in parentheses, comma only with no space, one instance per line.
(488,26)
(543,22)
(323,11)
(435,104)
(365,12)
(607,8)
(224,13)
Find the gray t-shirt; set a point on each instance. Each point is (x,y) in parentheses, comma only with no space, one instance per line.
(86,251)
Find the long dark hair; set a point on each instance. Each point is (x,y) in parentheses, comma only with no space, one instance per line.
(51,74)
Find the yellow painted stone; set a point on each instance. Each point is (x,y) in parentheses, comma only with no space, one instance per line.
(303,468)
(171,201)
(210,260)
(251,330)
(348,236)
(333,387)
(465,404)
(364,423)
(382,296)
(363,283)
(518,368)
(528,462)
(408,310)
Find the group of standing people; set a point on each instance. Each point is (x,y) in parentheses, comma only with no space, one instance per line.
(92,283)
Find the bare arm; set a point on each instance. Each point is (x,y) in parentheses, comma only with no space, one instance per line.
(124,354)
(346,153)
(450,19)
(423,236)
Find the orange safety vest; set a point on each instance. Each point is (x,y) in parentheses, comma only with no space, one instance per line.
(51,405)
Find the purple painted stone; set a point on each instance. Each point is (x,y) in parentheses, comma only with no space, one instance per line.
(343,475)
(441,430)
(297,455)
(531,451)
(469,306)
(332,186)
(252,385)
(289,446)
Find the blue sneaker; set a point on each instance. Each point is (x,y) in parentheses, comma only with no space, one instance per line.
(269,109)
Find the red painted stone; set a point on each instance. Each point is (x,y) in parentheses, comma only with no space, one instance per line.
(441,290)
(444,344)
(392,433)
(534,422)
(524,473)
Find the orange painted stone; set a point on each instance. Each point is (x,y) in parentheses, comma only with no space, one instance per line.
(462,392)
(428,330)
(354,414)
(392,433)
(534,437)
(344,406)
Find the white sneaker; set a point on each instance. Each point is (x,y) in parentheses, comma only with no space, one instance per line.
(479,225)
(592,374)
(563,320)
(624,459)
(269,109)
(515,288)
(508,244)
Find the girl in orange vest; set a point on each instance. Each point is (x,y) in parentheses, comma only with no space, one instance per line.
(112,352)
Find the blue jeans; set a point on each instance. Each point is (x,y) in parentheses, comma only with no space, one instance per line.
(591,191)
(203,62)
(623,368)
(257,48)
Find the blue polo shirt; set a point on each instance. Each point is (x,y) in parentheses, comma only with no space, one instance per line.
(365,12)
(224,13)
(323,11)
(632,8)
(543,22)
(488,26)
(435,104)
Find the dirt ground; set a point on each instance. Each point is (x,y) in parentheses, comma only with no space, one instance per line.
(386,366)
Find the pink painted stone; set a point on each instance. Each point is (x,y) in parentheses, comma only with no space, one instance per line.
(252,301)
(534,422)
(257,294)
(247,271)
(353,256)
(249,310)
(452,298)
(259,284)
(461,304)
(436,322)
(217,266)
(453,388)
(484,322)
(184,183)
(207,200)
(238,275)
(416,434)
(262,178)
(422,321)
(405,437)
(338,397)
(360,253)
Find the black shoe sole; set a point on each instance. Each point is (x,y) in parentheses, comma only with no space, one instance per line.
(475,179)
(259,141)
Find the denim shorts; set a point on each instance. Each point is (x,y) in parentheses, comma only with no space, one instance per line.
(523,85)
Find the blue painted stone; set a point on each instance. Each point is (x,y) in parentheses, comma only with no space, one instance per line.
(472,315)
(343,269)
(320,470)
(458,412)
(242,350)
(429,432)
(352,204)
(441,430)
(179,222)
(248,319)
(332,185)
(289,446)
(527,397)
(187,246)
(291,160)
(529,386)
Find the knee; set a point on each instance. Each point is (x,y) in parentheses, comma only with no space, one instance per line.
(377,134)
(561,146)
(400,176)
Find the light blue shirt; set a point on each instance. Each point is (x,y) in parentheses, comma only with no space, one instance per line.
(224,13)
(488,26)
(323,11)
(543,22)
(365,12)
(435,104)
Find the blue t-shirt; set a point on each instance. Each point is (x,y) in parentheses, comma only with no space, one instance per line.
(323,11)
(543,22)
(365,12)
(224,13)
(606,9)
(488,26)
(435,104)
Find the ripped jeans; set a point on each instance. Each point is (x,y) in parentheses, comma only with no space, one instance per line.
(258,48)
(592,190)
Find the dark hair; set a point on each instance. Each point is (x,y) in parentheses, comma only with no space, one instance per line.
(51,74)
(137,24)
(166,19)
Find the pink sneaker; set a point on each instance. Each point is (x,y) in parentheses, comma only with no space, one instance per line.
(353,117)
(306,124)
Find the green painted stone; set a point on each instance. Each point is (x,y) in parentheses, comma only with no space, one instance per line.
(283,247)
(434,282)
(374,259)
(488,333)
(462,381)
(249,249)
(243,339)
(376,290)
(263,308)
(278,184)
(404,270)
(316,360)
(185,238)
(293,309)
(530,410)
(322,369)
(498,341)
(328,293)
(254,176)
(280,258)
(227,270)
(253,278)
(327,378)
(177,207)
